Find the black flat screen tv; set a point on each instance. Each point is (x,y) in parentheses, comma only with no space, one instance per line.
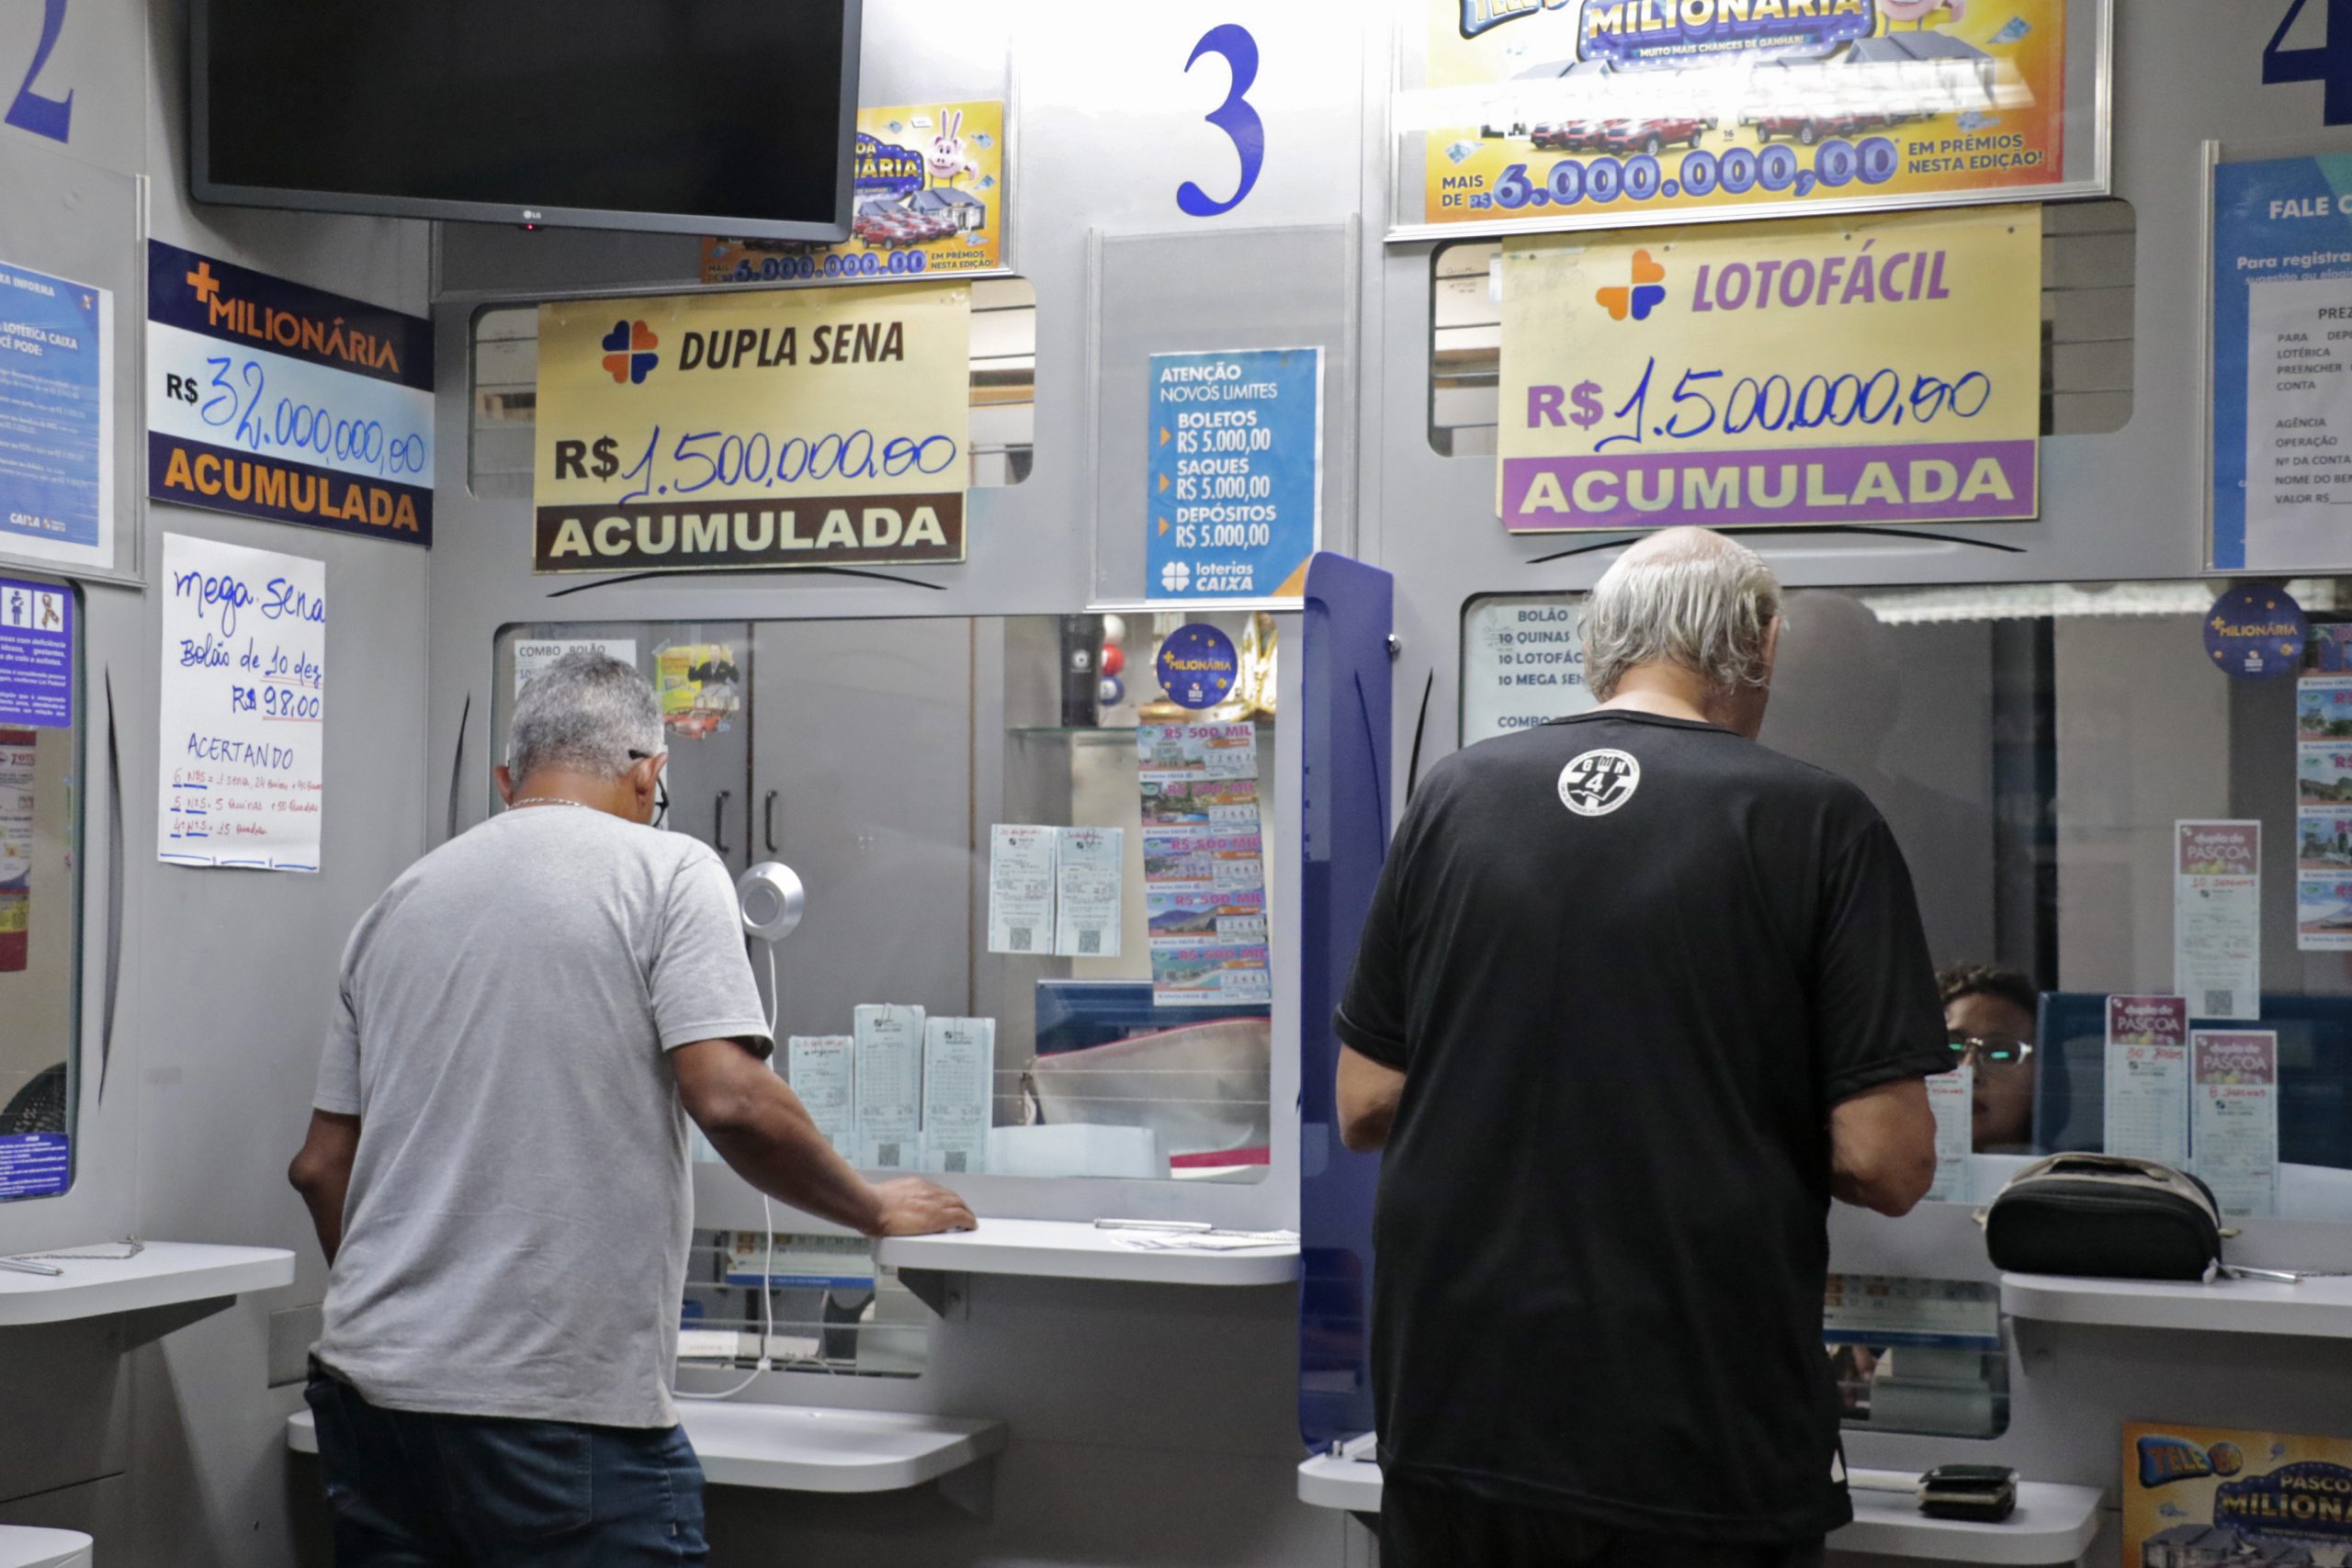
(718,117)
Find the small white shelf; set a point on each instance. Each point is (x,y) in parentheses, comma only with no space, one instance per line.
(2315,1308)
(24,1548)
(1329,1481)
(2052,1524)
(1067,1249)
(167,1274)
(794,1447)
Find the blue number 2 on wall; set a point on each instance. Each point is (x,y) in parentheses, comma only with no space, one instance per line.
(1234,117)
(52,118)
(2330,62)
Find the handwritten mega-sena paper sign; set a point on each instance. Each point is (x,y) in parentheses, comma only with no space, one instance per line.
(244,707)
(1585,113)
(813,428)
(1801,371)
(269,398)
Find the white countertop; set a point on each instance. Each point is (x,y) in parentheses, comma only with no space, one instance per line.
(166,1273)
(1071,1249)
(21,1547)
(2315,1308)
(794,1448)
(2051,1525)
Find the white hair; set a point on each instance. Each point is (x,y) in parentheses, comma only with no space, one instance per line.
(586,712)
(1688,597)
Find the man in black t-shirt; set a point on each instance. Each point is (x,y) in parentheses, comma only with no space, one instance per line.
(1636,997)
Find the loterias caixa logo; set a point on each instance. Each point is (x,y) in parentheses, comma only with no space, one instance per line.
(1638,299)
(630,353)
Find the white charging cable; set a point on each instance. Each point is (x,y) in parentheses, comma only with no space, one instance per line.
(766,1362)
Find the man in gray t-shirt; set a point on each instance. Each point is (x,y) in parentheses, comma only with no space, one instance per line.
(497,1164)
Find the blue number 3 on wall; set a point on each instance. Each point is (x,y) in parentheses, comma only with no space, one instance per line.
(1234,117)
(52,118)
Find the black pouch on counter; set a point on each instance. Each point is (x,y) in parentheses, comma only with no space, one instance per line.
(2107,1217)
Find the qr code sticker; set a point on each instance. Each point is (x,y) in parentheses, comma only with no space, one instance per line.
(956,1162)
(1022,939)
(2217,1004)
(887,1155)
(1090,942)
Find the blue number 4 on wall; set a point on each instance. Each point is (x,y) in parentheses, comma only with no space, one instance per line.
(2330,62)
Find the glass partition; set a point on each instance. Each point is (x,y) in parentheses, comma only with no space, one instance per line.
(1911,1355)
(1037,940)
(40,818)
(2134,864)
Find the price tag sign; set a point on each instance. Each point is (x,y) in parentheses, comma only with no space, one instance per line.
(1803,371)
(1237,472)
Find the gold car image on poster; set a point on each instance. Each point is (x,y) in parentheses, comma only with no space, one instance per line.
(753,431)
(928,191)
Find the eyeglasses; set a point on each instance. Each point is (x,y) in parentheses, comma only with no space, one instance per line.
(1999,1049)
(661,788)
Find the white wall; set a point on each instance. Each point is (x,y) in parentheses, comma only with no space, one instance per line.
(172,1453)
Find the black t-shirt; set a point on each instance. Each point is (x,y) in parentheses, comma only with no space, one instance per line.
(1627,964)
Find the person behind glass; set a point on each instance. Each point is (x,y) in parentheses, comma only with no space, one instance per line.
(497,1166)
(1635,998)
(1989,1015)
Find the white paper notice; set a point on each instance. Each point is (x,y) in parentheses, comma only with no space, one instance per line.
(1021,889)
(958,1093)
(888,1090)
(2147,1079)
(820,1067)
(2217,918)
(244,707)
(533,656)
(1090,866)
(2289,355)
(1952,1097)
(2237,1117)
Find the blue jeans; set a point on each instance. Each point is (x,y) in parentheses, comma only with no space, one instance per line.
(410,1489)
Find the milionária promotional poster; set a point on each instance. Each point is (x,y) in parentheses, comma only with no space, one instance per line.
(1555,114)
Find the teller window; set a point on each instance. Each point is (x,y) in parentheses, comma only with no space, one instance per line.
(1038,937)
(2127,811)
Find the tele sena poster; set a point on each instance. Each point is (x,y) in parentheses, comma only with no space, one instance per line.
(2195,1496)
(1585,113)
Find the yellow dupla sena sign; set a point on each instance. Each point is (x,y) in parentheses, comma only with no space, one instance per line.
(2197,1495)
(753,431)
(1805,371)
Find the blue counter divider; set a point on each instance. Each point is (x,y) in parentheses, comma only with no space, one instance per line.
(1345,804)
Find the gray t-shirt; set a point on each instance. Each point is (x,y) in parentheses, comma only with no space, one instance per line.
(515,1239)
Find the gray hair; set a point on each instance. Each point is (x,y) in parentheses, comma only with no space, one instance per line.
(587,713)
(1688,597)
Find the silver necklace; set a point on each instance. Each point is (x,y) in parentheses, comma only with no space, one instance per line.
(548,800)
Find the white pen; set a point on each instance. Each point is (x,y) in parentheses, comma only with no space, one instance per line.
(1181,1227)
(26,1265)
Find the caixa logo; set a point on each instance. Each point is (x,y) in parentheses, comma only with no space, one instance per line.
(629,355)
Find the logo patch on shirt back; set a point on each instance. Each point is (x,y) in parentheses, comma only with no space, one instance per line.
(1600,782)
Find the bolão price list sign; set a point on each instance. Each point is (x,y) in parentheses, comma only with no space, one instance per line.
(1236,504)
